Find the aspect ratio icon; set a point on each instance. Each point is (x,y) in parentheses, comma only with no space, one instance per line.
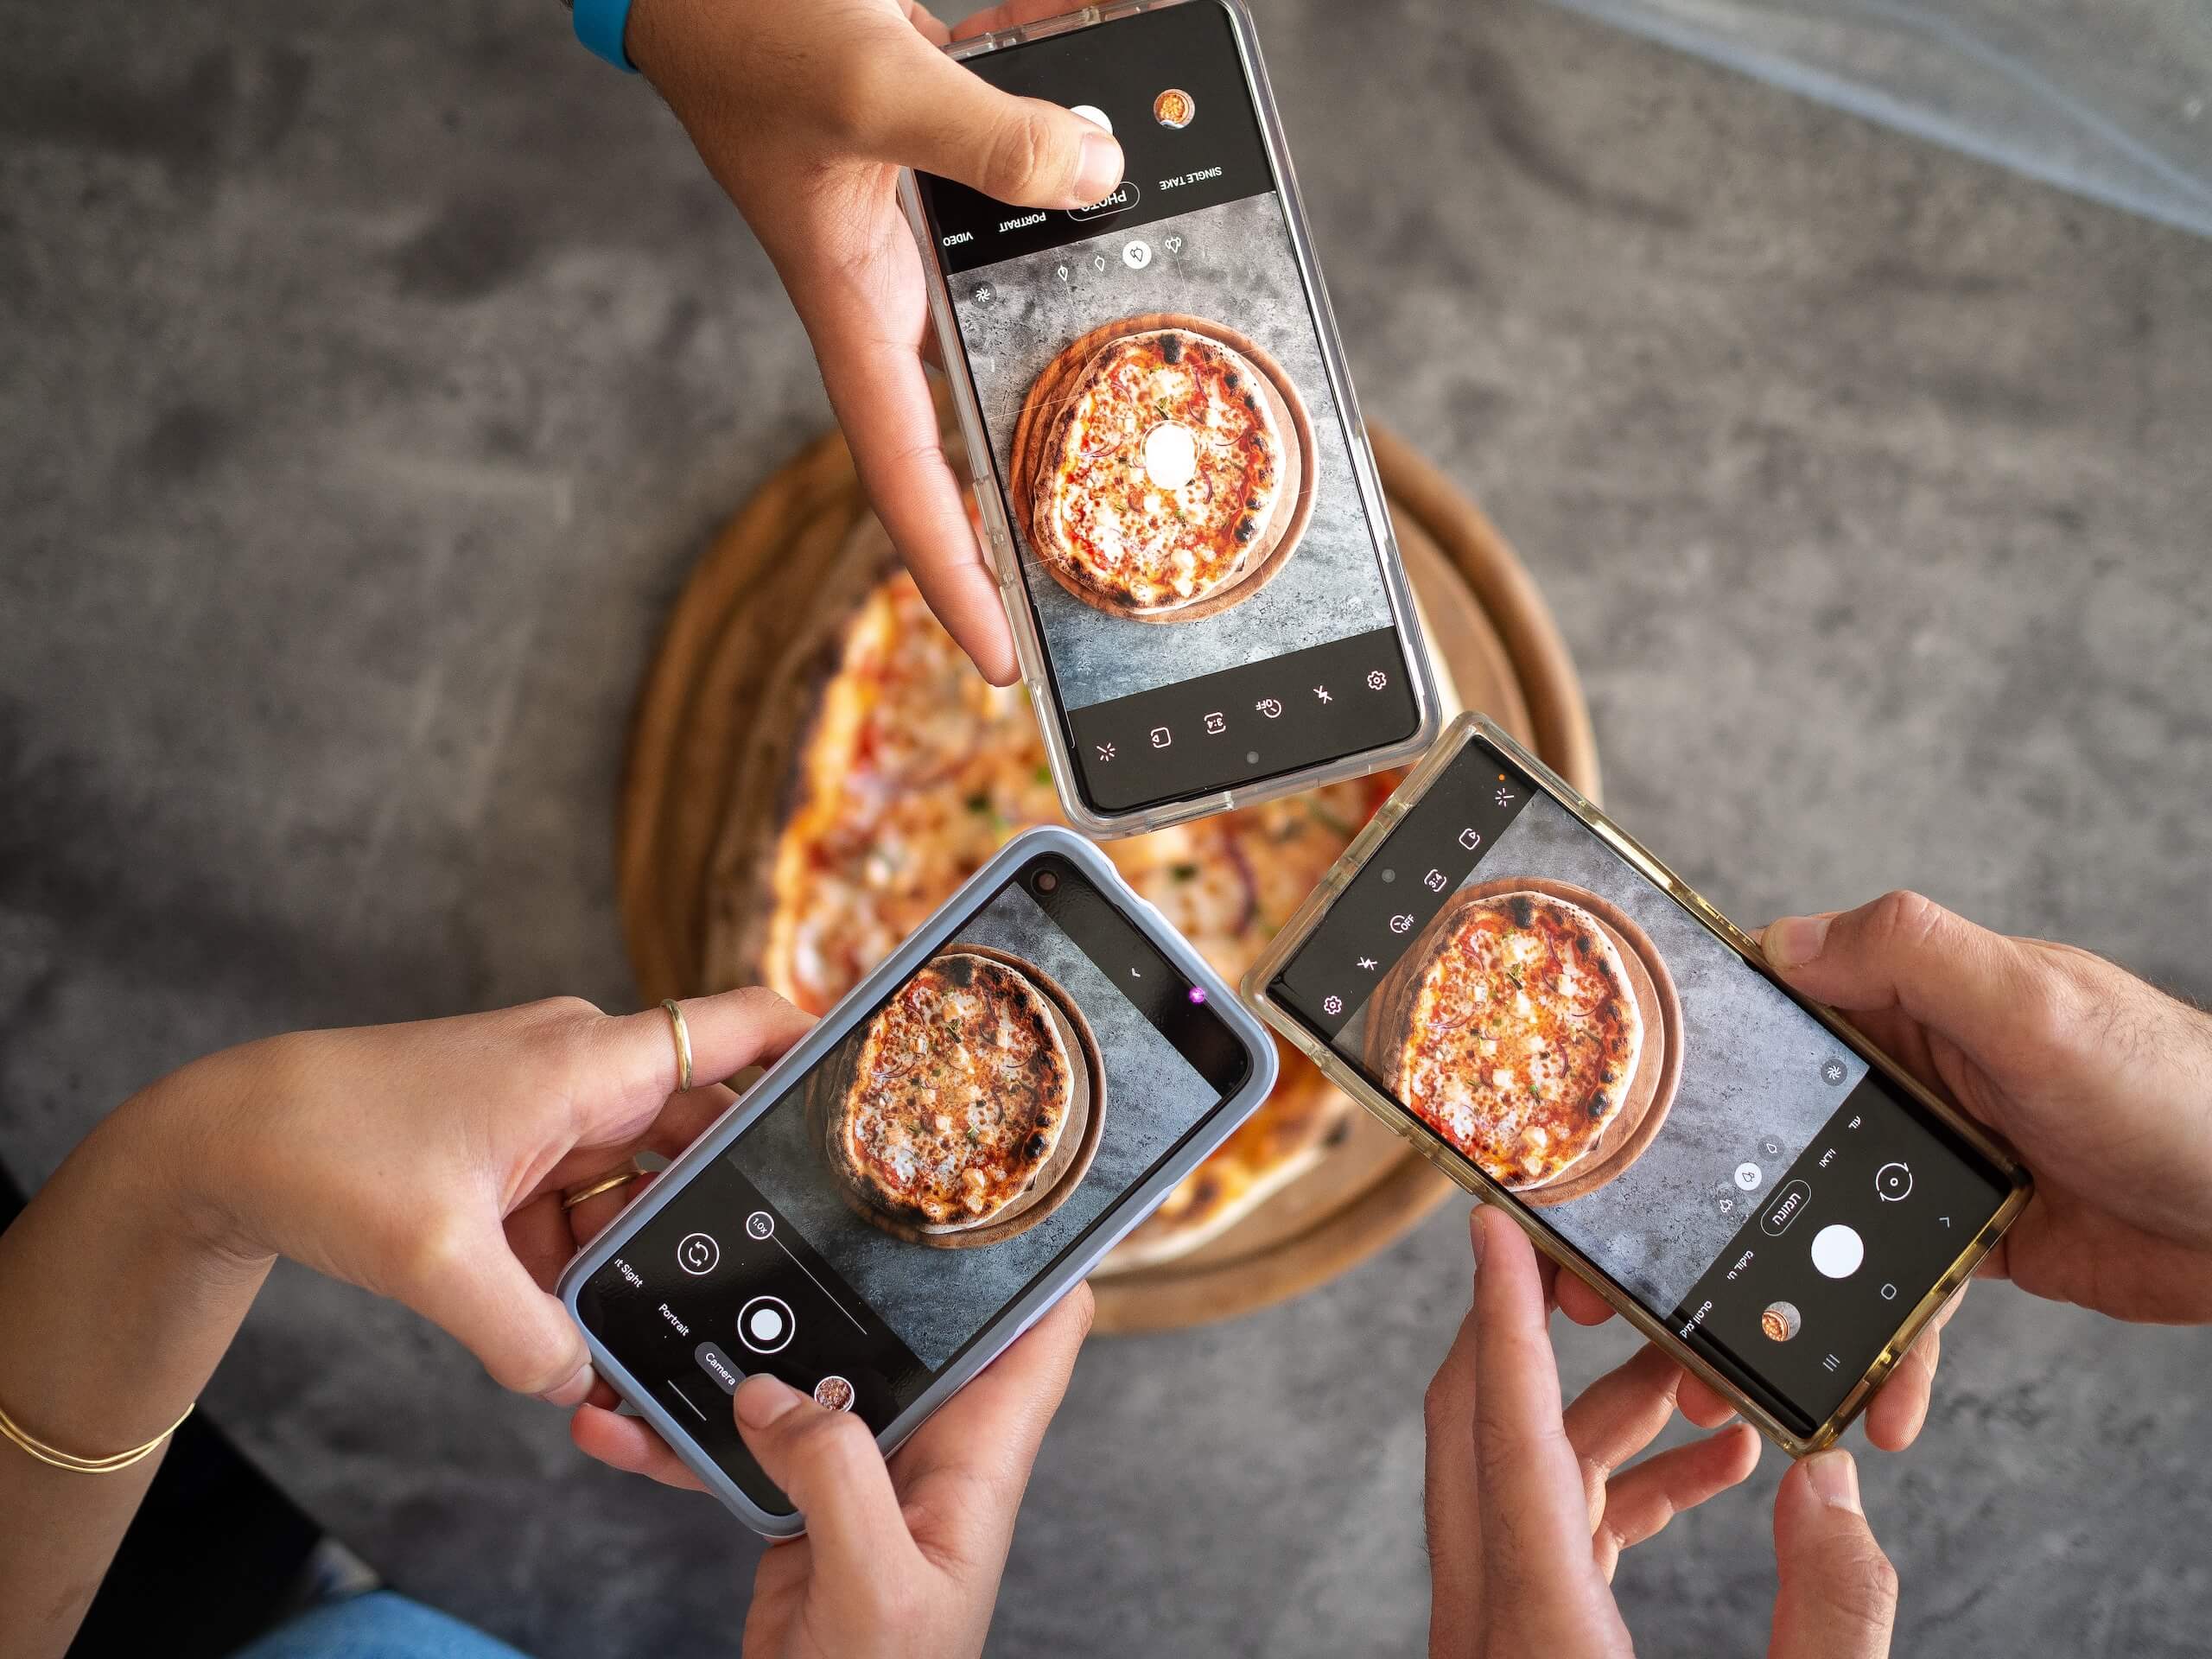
(1217,724)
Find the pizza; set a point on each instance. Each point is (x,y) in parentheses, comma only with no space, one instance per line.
(958,1096)
(1168,471)
(899,773)
(1513,1034)
(914,771)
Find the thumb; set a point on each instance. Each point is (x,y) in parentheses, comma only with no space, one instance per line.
(1906,952)
(914,106)
(1838,1591)
(827,1464)
(481,1294)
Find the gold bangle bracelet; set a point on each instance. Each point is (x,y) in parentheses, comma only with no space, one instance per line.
(54,1456)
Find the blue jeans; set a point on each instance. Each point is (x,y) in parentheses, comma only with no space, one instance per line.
(382,1625)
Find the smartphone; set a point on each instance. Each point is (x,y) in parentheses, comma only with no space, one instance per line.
(1170,469)
(1546,1012)
(953,1146)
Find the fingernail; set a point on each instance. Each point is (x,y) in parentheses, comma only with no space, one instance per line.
(1478,1235)
(1100,168)
(572,1392)
(1795,940)
(762,1399)
(1835,1478)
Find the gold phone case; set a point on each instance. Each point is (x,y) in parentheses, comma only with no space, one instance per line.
(1466,1174)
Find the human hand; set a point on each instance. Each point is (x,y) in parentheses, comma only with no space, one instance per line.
(426,1162)
(2102,1082)
(1527,1516)
(1894,1416)
(804,111)
(901,1558)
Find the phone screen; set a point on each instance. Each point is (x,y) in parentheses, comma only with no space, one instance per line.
(964,1135)
(1171,458)
(1564,1023)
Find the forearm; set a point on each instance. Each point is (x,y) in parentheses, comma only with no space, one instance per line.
(117,1299)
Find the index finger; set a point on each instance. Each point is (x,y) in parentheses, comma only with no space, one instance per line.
(881,396)
(1534,1512)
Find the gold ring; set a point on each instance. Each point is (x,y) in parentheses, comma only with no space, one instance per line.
(629,1171)
(683,1046)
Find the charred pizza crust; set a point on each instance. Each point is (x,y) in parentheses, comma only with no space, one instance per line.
(1168,472)
(1512,1031)
(958,1096)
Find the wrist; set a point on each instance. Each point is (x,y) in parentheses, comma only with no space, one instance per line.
(646,39)
(602,26)
(117,1291)
(177,1146)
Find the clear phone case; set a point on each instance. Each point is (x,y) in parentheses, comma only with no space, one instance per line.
(1005,555)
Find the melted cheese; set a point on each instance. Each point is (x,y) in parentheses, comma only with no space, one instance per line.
(1166,468)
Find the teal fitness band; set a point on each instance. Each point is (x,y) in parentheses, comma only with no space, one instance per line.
(599,24)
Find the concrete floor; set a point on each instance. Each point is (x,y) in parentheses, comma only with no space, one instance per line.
(373,372)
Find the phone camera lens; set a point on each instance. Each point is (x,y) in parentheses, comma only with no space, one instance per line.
(1045,881)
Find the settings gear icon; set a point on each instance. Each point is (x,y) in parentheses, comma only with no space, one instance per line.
(1376,679)
(1333,1004)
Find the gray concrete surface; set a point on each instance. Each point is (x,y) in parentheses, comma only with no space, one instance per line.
(374,370)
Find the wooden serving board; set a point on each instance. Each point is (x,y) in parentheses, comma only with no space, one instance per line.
(700,735)
(1049,392)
